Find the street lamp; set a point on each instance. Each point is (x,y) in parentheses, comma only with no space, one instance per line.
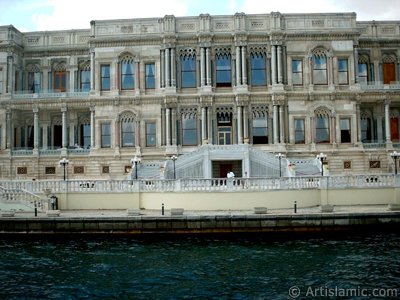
(134,162)
(395,155)
(322,158)
(64,162)
(174,158)
(280,156)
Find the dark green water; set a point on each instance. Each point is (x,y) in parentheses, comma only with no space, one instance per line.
(197,267)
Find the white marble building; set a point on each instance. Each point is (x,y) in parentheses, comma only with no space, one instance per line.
(222,93)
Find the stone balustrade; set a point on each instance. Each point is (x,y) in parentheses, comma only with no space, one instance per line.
(193,185)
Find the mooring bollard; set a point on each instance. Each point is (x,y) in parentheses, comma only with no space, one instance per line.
(162,209)
(295,207)
(35,209)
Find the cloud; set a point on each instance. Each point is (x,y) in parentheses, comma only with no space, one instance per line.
(77,14)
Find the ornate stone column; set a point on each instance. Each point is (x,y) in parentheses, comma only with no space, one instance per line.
(203,125)
(387,121)
(202,66)
(92,70)
(167,66)
(92,127)
(273,64)
(64,127)
(172,67)
(8,129)
(209,125)
(162,68)
(168,126)
(137,76)
(238,64)
(10,72)
(244,66)
(358,116)
(245,125)
(279,64)
(276,124)
(35,128)
(281,124)
(239,125)
(208,68)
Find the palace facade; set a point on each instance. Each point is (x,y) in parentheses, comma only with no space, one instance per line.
(219,93)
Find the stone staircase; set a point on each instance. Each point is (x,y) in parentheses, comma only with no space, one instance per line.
(21,200)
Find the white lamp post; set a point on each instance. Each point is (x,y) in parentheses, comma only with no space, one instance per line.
(174,158)
(280,156)
(395,155)
(134,162)
(322,158)
(64,162)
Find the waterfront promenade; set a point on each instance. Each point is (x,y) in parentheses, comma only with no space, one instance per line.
(144,222)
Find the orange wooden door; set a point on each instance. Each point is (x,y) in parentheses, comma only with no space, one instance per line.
(394,129)
(389,73)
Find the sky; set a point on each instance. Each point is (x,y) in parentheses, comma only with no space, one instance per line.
(41,15)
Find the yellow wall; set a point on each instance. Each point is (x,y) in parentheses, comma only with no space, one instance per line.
(275,199)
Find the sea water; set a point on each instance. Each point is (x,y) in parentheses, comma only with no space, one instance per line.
(200,267)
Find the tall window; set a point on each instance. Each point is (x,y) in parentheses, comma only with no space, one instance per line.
(105,135)
(389,68)
(297,72)
(320,67)
(105,77)
(223,70)
(343,71)
(127,74)
(299,132)
(189,130)
(366,130)
(258,69)
(188,71)
(128,130)
(345,132)
(59,78)
(1,80)
(151,130)
(34,78)
(85,134)
(150,76)
(322,127)
(362,73)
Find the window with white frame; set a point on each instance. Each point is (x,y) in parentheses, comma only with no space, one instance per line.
(297,72)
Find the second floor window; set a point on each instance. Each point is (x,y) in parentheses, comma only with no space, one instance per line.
(188,71)
(297,72)
(150,76)
(299,132)
(105,135)
(151,134)
(128,131)
(127,75)
(85,80)
(34,82)
(189,130)
(223,70)
(362,73)
(105,77)
(343,71)
(258,69)
(320,67)
(322,129)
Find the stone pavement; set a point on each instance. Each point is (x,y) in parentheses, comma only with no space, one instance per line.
(157,213)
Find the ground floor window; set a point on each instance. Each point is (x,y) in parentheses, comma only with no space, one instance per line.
(345,133)
(260,130)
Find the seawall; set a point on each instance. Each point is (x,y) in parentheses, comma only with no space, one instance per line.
(198,224)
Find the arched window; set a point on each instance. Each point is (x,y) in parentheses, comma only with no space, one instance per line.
(322,126)
(128,125)
(223,68)
(320,75)
(366,127)
(364,74)
(258,68)
(34,78)
(84,134)
(260,125)
(59,77)
(189,127)
(389,68)
(84,76)
(127,71)
(188,68)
